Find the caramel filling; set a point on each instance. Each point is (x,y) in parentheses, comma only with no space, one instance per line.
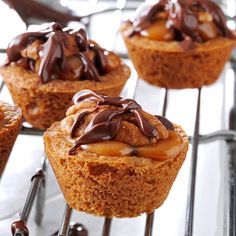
(164,149)
(208,30)
(159,31)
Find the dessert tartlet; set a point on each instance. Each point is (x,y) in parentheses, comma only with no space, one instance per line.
(179,44)
(113,159)
(10,124)
(45,69)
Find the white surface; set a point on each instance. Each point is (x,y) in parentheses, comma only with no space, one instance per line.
(170,218)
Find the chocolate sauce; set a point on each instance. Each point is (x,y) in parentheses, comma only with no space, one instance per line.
(168,125)
(36,10)
(20,42)
(89,70)
(76,124)
(52,52)
(106,122)
(100,60)
(183,20)
(19,227)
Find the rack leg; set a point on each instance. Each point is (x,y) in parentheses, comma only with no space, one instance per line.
(149,224)
(63,231)
(232,164)
(19,228)
(41,195)
(193,172)
(106,227)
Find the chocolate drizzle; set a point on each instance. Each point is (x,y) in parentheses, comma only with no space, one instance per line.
(168,125)
(52,52)
(36,10)
(20,42)
(106,123)
(183,19)
(100,60)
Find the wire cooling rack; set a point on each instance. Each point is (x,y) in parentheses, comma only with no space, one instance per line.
(36,192)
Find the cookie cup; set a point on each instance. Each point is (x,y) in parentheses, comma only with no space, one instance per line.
(111,186)
(43,104)
(9,131)
(166,64)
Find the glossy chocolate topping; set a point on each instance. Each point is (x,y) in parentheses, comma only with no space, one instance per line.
(19,227)
(105,124)
(53,60)
(36,10)
(183,20)
(168,125)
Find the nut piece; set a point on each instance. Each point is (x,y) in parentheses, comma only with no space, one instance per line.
(73,68)
(131,134)
(32,50)
(71,46)
(128,133)
(204,17)
(208,30)
(113,61)
(162,131)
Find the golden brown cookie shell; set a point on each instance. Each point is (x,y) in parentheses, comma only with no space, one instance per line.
(111,186)
(8,133)
(43,104)
(167,65)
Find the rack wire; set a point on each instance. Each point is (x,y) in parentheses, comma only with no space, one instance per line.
(36,192)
